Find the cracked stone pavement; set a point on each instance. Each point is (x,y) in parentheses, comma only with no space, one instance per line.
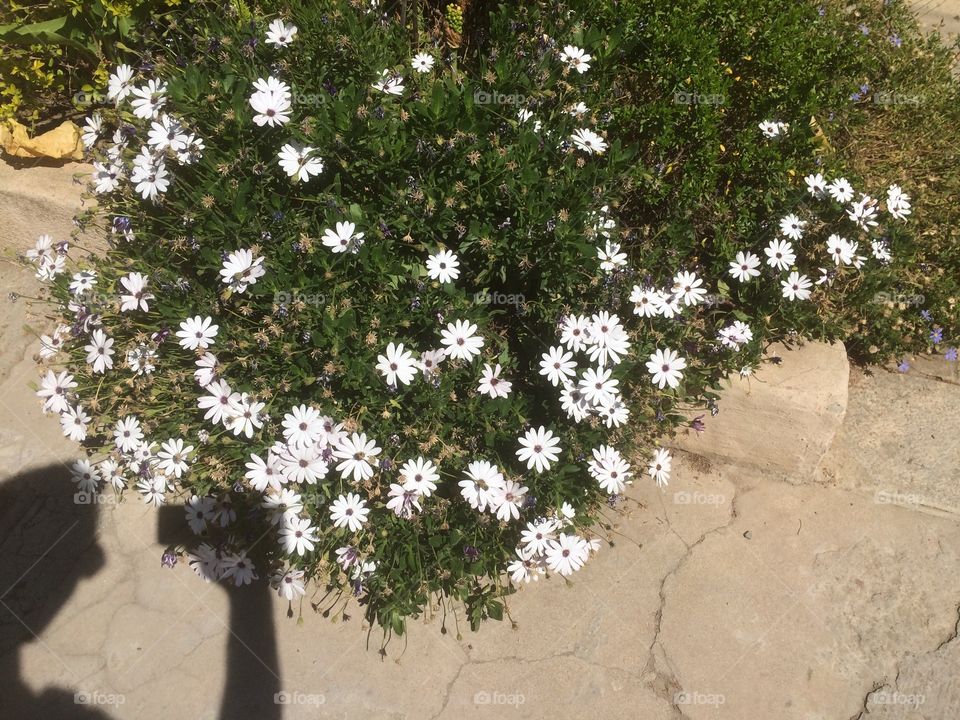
(813,577)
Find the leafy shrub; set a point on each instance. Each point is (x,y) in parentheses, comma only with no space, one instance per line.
(57,54)
(286,212)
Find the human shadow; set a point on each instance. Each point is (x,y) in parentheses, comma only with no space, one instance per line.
(252,688)
(48,544)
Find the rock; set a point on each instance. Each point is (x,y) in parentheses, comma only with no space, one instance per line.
(783,418)
(879,451)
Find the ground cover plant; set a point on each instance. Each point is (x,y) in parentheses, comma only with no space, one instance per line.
(399,317)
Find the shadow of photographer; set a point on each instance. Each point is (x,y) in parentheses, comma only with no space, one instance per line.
(48,544)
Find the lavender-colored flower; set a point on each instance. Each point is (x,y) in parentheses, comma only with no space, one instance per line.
(168,559)
(821,11)
(950,355)
(936,336)
(925,314)
(698,424)
(864,30)
(895,40)
(903,366)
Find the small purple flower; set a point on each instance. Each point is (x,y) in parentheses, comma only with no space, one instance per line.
(950,355)
(471,553)
(925,314)
(821,11)
(864,30)
(386,464)
(698,424)
(895,40)
(903,366)
(936,336)
(168,559)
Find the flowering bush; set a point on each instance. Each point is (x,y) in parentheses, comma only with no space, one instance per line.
(384,319)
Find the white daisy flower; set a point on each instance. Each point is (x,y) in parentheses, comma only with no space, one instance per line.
(280,33)
(460,340)
(245,416)
(263,474)
(299,162)
(199,511)
(74,423)
(610,256)
(780,254)
(197,332)
(492,384)
(840,249)
(289,584)
(792,226)
(508,500)
(54,389)
(796,286)
(659,468)
(297,536)
(344,238)
(557,365)
(643,301)
(575,332)
(483,479)
(397,364)
(745,266)
(422,62)
(356,454)
(403,501)
(538,449)
(136,296)
(816,185)
(302,426)
(576,58)
(303,465)
(241,269)
(598,387)
(840,190)
(898,203)
(589,141)
(349,511)
(148,99)
(665,366)
(120,83)
(443,266)
(99,351)
(389,83)
(420,475)
(689,288)
(567,554)
(282,506)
